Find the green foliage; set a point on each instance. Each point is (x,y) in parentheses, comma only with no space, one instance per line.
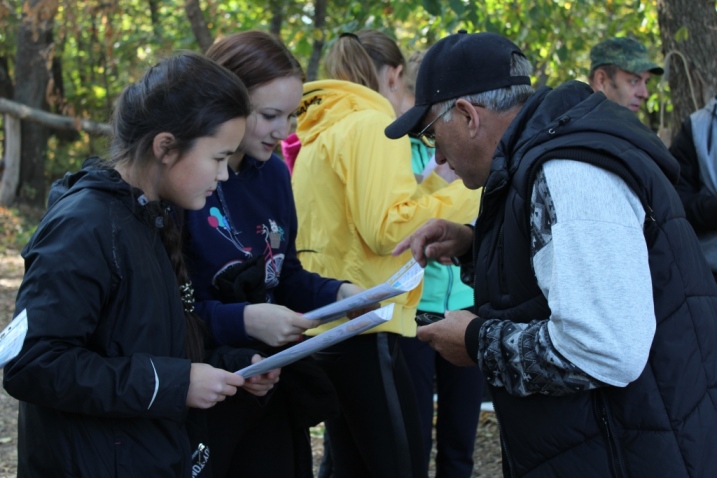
(17,226)
(682,34)
(103,45)
(9,19)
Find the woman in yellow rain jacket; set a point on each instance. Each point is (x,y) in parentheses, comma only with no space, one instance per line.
(356,198)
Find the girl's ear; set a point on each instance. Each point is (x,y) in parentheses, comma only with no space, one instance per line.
(394,76)
(162,147)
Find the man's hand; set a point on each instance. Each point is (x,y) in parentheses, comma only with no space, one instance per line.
(447,336)
(437,239)
(209,385)
(260,385)
(275,325)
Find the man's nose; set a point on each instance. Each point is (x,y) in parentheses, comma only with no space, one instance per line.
(642,92)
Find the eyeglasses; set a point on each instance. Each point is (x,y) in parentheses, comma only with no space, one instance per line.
(429,139)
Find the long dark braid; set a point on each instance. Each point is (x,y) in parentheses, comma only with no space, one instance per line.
(189,96)
(168,223)
(197,331)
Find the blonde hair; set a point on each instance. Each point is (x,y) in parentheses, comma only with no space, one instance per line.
(348,60)
(382,49)
(412,67)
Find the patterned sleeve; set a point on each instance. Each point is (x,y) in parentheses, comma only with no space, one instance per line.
(522,357)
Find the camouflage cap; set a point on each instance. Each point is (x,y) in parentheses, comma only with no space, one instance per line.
(625,53)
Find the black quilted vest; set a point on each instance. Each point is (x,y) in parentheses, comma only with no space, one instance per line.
(665,423)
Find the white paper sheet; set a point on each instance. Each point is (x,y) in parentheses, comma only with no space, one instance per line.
(405,279)
(12,337)
(321,341)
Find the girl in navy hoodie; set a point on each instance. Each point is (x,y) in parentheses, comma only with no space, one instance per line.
(251,289)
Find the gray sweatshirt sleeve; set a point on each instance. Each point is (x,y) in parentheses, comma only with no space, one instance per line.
(590,259)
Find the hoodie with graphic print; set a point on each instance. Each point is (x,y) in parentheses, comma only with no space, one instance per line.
(251,215)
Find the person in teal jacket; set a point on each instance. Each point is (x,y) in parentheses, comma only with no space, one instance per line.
(459,389)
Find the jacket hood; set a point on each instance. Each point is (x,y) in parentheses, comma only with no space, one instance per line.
(573,109)
(326,102)
(94,174)
(290,148)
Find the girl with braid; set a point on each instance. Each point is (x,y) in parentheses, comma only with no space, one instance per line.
(113,357)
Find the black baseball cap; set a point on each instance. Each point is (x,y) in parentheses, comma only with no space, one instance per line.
(458,65)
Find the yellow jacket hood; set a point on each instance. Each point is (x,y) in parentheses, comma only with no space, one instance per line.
(357,197)
(326,102)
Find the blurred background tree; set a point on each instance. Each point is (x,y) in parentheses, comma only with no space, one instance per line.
(74,57)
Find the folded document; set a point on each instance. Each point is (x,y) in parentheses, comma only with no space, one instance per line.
(12,337)
(407,278)
(321,341)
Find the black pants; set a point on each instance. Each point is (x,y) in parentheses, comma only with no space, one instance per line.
(247,438)
(377,433)
(459,391)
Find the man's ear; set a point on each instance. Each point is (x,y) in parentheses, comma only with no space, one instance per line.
(163,146)
(600,79)
(469,113)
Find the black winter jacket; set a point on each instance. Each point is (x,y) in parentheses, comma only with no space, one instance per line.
(700,204)
(102,377)
(665,422)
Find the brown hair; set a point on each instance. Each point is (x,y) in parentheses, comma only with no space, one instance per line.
(207,96)
(610,70)
(256,57)
(348,60)
(382,49)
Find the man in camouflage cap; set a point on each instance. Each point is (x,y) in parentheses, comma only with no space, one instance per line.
(619,67)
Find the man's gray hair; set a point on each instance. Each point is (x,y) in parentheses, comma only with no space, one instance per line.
(502,99)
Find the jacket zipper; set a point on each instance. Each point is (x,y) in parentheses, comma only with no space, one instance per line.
(501,263)
(503,443)
(476,241)
(447,297)
(612,446)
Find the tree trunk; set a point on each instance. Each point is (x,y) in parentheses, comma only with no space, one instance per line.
(277,17)
(199,24)
(6,88)
(312,71)
(32,72)
(11,172)
(6,91)
(690,28)
(154,15)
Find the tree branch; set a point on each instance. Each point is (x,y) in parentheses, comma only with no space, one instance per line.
(52,120)
(199,24)
(312,72)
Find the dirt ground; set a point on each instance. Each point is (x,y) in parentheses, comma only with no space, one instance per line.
(487,451)
(486,456)
(11,269)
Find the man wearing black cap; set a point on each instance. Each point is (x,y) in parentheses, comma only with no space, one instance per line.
(620,68)
(597,315)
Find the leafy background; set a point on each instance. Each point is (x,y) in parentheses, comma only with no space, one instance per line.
(100,46)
